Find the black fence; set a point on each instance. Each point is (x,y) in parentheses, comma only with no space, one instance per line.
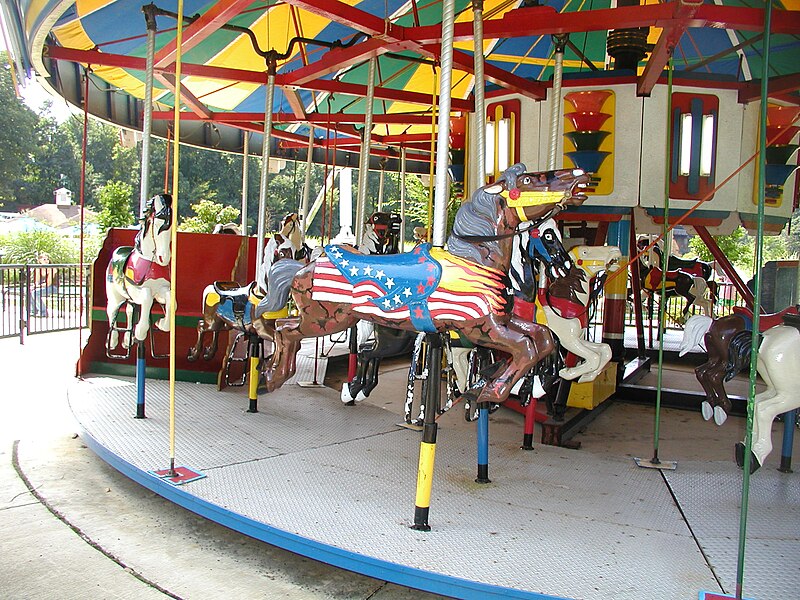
(42,298)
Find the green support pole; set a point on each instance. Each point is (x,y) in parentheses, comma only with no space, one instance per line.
(748,443)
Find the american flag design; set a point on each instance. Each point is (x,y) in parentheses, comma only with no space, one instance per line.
(423,286)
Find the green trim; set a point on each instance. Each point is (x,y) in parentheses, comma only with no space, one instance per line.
(126,370)
(99,314)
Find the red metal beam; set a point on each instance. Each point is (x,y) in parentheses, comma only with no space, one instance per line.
(95,57)
(314,118)
(337,59)
(669,38)
(776,87)
(346,15)
(189,99)
(219,14)
(726,265)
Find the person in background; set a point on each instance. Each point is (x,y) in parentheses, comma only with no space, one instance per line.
(45,284)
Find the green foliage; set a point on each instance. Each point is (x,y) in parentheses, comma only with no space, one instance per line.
(207,215)
(793,234)
(739,248)
(17,144)
(114,199)
(24,247)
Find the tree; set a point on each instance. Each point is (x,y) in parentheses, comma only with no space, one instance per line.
(207,215)
(114,200)
(793,235)
(17,137)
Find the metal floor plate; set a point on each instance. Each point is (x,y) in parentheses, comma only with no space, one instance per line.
(338,484)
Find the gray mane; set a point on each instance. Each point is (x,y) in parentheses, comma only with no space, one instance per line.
(281,275)
(478,217)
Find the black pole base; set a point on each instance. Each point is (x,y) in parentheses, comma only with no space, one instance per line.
(253,408)
(139,413)
(421,519)
(527,442)
(483,474)
(786,464)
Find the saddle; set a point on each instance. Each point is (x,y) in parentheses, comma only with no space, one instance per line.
(239,297)
(793,320)
(766,321)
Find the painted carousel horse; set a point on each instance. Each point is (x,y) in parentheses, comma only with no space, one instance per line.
(726,340)
(433,290)
(140,275)
(381,236)
(227,305)
(692,288)
(693,266)
(566,302)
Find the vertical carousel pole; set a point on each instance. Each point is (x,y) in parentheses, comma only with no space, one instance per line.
(144,188)
(245,179)
(655,462)
(789,423)
(265,148)
(254,355)
(363,160)
(403,198)
(381,183)
(616,295)
(174,238)
(748,442)
(482,437)
(560,42)
(427,451)
(307,183)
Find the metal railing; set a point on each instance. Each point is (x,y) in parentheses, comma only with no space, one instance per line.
(42,298)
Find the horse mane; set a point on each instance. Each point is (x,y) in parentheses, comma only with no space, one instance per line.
(281,275)
(566,287)
(478,217)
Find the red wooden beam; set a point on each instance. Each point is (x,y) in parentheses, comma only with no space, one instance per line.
(219,14)
(669,38)
(337,59)
(777,86)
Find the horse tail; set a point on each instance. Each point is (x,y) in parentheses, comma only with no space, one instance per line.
(280,278)
(738,353)
(693,333)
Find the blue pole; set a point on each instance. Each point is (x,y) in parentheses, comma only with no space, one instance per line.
(140,379)
(789,421)
(483,443)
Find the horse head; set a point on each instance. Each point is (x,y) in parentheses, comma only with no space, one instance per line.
(593,259)
(290,229)
(153,239)
(541,194)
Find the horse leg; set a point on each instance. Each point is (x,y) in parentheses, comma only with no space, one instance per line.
(114,302)
(526,343)
(126,339)
(143,325)
(570,334)
(202,330)
(166,300)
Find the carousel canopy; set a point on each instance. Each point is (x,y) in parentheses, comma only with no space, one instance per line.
(320,50)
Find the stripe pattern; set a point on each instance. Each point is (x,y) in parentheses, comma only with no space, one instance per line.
(442,287)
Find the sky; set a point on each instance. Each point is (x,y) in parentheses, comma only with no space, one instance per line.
(35,96)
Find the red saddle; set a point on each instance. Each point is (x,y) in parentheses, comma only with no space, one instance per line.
(766,321)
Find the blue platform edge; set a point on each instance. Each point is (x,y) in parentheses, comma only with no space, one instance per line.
(365,565)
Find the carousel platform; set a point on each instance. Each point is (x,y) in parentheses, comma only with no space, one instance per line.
(337,484)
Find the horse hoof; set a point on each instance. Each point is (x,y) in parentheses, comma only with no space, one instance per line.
(706,410)
(360,396)
(588,378)
(739,453)
(345,395)
(720,416)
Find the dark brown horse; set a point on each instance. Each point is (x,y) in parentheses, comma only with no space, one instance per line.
(728,351)
(430,289)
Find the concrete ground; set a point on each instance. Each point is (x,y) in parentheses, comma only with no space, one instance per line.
(72,527)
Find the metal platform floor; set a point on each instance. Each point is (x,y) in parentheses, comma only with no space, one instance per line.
(338,484)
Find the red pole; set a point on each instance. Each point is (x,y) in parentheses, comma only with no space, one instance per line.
(718,255)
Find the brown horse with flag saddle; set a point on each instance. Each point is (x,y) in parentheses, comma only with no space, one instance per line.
(432,290)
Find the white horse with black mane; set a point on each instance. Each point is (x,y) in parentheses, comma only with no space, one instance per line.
(139,275)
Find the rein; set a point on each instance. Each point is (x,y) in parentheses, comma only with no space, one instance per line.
(501,236)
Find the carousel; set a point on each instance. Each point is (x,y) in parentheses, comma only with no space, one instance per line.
(572,144)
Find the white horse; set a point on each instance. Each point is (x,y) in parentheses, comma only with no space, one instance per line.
(566,304)
(779,367)
(140,275)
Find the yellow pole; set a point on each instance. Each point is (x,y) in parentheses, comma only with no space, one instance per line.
(174,233)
